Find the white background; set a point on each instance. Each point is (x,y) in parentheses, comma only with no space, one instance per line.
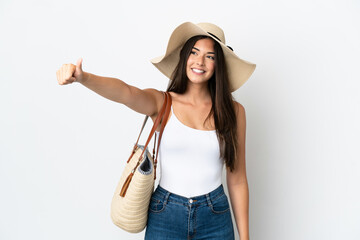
(62,148)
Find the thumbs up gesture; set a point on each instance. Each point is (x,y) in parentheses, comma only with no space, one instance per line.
(69,73)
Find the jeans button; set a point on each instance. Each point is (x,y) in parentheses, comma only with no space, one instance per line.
(190,201)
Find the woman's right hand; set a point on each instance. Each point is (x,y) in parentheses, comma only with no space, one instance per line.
(69,73)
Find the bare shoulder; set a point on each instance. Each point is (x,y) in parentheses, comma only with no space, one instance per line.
(177,99)
(154,93)
(175,96)
(156,97)
(159,95)
(239,109)
(240,116)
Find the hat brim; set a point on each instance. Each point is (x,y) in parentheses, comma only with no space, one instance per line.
(239,70)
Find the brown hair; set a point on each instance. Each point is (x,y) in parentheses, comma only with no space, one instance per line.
(223,108)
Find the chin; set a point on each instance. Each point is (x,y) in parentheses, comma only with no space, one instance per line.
(197,81)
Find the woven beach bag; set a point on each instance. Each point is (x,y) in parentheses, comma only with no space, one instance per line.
(130,203)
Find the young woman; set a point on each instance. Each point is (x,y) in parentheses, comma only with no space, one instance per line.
(205,130)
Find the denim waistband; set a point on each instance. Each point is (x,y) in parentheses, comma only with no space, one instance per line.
(219,191)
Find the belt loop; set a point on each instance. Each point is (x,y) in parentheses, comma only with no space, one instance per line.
(208,200)
(166,197)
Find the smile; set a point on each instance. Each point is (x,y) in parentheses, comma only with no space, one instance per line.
(197,70)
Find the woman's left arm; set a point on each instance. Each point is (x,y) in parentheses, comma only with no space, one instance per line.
(237,180)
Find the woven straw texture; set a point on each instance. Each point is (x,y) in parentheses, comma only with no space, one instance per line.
(130,212)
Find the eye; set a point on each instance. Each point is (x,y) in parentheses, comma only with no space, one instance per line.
(211,57)
(194,53)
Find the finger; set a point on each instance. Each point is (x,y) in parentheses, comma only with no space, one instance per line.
(61,73)
(64,74)
(57,76)
(69,71)
(79,64)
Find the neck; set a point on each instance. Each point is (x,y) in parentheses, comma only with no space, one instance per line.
(197,94)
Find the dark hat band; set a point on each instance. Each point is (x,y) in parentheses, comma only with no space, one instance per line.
(213,35)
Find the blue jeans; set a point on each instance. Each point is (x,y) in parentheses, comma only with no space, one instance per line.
(175,217)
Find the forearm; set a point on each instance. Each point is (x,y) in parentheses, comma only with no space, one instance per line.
(110,88)
(239,196)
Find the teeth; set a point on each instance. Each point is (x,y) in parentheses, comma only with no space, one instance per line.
(197,70)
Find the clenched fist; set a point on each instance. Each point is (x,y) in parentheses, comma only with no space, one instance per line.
(69,73)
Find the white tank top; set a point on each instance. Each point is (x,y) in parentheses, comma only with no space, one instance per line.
(190,163)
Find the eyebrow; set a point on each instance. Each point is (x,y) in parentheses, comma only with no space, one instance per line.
(207,52)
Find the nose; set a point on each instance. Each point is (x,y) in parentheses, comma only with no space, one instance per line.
(200,61)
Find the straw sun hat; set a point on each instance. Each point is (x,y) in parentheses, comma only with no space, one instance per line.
(239,70)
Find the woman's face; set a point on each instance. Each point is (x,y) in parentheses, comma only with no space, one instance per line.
(201,62)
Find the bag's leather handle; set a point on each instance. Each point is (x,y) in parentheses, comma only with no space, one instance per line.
(156,123)
(163,123)
(160,119)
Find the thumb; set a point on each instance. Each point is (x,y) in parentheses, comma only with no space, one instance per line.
(79,64)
